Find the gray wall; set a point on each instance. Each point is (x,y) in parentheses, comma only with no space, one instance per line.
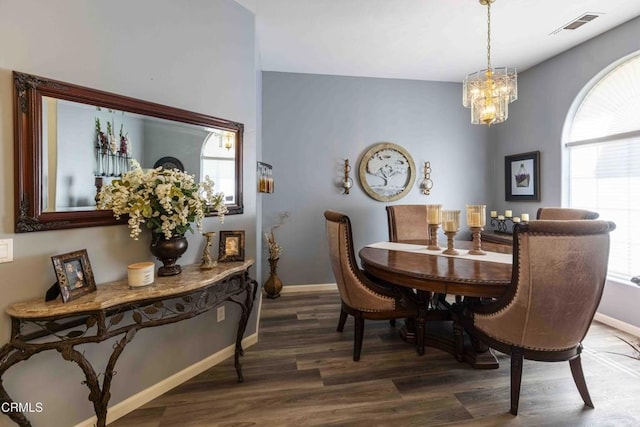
(547,93)
(199,56)
(312,123)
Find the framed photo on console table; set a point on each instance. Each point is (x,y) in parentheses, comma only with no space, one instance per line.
(231,246)
(522,176)
(74,274)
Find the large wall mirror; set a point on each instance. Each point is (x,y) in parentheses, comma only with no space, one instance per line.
(71,140)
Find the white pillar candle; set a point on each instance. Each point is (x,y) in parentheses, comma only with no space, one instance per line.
(494,214)
(516,219)
(525,217)
(508,213)
(500,217)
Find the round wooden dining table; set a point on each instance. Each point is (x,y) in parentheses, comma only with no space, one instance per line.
(434,277)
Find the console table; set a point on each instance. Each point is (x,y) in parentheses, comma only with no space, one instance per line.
(115,310)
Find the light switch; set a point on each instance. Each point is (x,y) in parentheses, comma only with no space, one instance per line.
(6,250)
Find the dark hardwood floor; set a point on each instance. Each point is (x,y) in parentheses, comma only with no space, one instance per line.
(301,373)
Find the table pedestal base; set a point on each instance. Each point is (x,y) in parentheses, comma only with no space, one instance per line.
(440,334)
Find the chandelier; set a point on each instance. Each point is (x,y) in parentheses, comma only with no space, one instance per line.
(488,92)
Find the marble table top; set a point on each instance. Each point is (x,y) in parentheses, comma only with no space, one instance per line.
(115,293)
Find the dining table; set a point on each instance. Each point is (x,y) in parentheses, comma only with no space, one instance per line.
(445,286)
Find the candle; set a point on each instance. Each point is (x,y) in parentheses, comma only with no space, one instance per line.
(450,226)
(525,217)
(500,217)
(494,214)
(516,219)
(434,214)
(476,215)
(508,213)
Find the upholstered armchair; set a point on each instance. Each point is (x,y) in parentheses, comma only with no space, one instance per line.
(362,298)
(407,222)
(565,214)
(559,272)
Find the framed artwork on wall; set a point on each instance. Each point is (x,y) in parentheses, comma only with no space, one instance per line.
(522,176)
(265,178)
(74,274)
(387,172)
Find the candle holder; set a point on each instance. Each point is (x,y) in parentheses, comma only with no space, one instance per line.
(477,242)
(505,224)
(450,249)
(434,218)
(476,220)
(207,262)
(433,237)
(451,225)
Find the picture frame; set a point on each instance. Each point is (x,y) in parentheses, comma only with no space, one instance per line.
(231,246)
(74,274)
(522,176)
(387,172)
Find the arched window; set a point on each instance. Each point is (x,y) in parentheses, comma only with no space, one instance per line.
(604,160)
(218,162)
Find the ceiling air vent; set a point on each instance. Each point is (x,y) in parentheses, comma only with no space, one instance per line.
(585,18)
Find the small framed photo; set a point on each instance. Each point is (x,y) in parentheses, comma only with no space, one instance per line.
(74,274)
(522,176)
(231,246)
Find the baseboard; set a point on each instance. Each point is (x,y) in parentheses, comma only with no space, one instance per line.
(618,324)
(309,288)
(132,403)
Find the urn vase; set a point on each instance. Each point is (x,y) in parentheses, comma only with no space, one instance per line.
(273,285)
(168,251)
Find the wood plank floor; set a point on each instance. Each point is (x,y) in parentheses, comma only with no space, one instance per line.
(301,373)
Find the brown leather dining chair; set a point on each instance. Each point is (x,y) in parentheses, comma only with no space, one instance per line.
(407,222)
(361,297)
(565,214)
(559,272)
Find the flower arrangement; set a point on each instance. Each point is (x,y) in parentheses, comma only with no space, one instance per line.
(275,250)
(164,201)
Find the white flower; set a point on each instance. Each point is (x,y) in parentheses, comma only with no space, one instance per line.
(165,201)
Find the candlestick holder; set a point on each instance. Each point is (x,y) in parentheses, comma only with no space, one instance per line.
(450,250)
(505,225)
(207,262)
(433,237)
(477,242)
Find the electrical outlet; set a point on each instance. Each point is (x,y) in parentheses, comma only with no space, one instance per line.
(220,313)
(6,250)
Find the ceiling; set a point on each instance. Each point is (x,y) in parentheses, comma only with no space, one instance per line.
(441,40)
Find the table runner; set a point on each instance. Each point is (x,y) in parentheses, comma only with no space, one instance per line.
(422,249)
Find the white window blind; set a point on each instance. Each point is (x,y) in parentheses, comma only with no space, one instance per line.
(604,161)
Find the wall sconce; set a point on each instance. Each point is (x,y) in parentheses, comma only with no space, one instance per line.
(347,182)
(426,184)
(228,142)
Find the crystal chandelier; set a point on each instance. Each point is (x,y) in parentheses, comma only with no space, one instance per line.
(488,92)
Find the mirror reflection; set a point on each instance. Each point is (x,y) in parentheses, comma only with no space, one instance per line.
(86,147)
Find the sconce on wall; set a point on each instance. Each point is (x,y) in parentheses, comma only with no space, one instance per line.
(426,184)
(347,182)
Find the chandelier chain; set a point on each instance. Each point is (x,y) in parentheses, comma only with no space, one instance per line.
(488,35)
